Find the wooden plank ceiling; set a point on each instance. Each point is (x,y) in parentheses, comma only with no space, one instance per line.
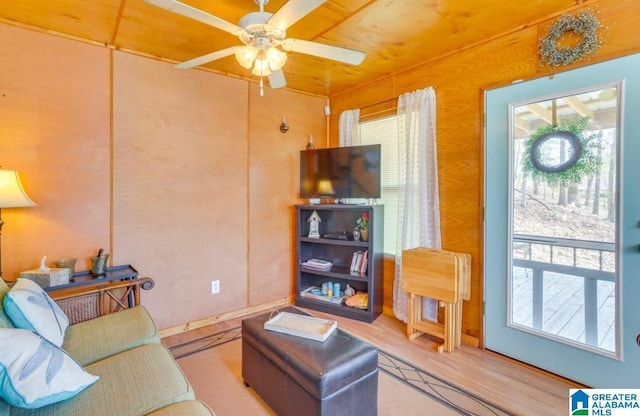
(394,34)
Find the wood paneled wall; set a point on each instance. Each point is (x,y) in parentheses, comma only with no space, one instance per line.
(54,130)
(179,156)
(274,172)
(460,80)
(182,174)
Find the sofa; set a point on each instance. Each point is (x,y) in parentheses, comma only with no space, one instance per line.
(119,355)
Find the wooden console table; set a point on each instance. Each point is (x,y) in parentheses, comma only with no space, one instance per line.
(87,297)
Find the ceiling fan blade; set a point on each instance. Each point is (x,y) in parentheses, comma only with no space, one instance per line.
(293,11)
(348,56)
(196,14)
(276,79)
(223,53)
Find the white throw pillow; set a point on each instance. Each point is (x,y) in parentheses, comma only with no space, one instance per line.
(35,373)
(30,307)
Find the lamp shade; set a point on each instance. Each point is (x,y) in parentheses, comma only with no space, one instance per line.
(246,55)
(325,187)
(12,194)
(276,58)
(261,67)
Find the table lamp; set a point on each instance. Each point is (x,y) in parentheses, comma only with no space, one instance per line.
(12,195)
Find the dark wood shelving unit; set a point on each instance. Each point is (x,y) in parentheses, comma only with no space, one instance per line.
(336,218)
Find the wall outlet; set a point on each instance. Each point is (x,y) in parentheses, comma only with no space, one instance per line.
(215,287)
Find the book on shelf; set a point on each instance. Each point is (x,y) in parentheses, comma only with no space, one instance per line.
(359,261)
(354,261)
(318,264)
(365,260)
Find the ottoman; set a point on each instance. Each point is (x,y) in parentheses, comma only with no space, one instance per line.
(299,376)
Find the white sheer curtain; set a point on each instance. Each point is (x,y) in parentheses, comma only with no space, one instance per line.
(418,201)
(349,132)
(349,135)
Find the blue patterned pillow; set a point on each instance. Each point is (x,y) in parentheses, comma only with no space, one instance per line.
(35,373)
(30,307)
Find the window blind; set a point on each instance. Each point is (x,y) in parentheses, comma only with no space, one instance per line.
(384,131)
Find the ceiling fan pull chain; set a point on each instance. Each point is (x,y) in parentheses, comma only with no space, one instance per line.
(261,87)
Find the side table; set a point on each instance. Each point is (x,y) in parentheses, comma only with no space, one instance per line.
(86,297)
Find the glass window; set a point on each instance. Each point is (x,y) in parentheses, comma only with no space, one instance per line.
(384,131)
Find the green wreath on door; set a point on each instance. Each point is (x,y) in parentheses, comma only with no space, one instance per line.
(581,153)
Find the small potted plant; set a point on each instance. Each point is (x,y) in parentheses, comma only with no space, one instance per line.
(363,224)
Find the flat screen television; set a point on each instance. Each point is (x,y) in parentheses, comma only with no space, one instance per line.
(340,172)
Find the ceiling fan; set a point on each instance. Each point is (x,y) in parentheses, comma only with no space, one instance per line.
(264,37)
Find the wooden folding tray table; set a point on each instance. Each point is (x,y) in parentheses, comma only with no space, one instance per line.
(442,275)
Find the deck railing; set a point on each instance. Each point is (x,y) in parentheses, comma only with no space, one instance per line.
(592,260)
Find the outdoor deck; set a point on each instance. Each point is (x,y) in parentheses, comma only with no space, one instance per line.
(566,294)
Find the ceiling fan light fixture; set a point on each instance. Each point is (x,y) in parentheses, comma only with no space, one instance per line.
(264,39)
(276,58)
(246,55)
(261,67)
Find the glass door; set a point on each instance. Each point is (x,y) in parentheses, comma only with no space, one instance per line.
(560,228)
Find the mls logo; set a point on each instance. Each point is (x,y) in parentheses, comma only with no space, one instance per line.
(579,403)
(604,402)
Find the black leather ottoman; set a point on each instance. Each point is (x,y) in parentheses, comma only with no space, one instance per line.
(299,376)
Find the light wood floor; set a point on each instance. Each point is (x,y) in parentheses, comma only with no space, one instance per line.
(508,383)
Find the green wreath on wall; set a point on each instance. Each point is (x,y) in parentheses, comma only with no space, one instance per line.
(585,25)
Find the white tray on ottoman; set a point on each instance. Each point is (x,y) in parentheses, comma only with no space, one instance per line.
(308,327)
